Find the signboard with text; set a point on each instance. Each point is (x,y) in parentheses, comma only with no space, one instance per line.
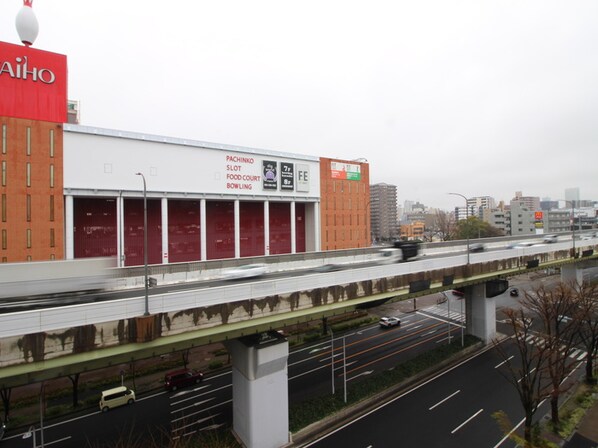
(269,175)
(33,84)
(347,171)
(287,176)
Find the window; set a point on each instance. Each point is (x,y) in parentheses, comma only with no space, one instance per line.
(51,176)
(28,208)
(4,138)
(4,173)
(51,237)
(51,142)
(28,238)
(3,208)
(4,239)
(51,207)
(28,174)
(28,141)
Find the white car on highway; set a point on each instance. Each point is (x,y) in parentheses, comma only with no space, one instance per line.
(245,271)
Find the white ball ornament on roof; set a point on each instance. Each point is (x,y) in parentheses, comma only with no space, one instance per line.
(26,23)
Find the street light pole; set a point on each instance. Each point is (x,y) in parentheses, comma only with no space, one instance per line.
(572,221)
(146,313)
(466,221)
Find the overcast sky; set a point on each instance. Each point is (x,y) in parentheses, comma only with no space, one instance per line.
(483,98)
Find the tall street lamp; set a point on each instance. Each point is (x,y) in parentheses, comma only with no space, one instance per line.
(145,242)
(466,221)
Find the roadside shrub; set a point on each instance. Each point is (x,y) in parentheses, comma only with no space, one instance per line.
(215,365)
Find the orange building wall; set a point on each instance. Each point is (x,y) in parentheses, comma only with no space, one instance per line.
(413,231)
(344,208)
(16,220)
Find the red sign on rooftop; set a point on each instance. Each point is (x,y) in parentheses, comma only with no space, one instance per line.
(33,83)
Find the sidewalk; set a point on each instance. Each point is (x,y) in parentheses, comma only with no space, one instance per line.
(586,435)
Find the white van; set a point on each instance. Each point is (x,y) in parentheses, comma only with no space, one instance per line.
(118,396)
(389,256)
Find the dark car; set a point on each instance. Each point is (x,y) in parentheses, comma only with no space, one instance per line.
(330,267)
(182,378)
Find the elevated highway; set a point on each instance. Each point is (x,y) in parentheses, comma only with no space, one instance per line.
(49,342)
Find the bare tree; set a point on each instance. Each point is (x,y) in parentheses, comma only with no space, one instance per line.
(444,224)
(525,372)
(587,316)
(555,308)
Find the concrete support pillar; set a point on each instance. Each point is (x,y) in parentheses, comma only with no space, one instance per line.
(203,230)
(480,313)
(260,389)
(571,274)
(237,225)
(293,229)
(69,228)
(266,228)
(164,209)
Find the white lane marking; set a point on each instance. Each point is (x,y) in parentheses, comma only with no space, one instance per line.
(197,403)
(174,403)
(426,334)
(308,372)
(443,400)
(187,392)
(414,328)
(466,421)
(506,360)
(197,422)
(367,372)
(529,373)
(316,350)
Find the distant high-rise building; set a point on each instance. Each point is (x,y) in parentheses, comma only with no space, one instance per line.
(383,204)
(572,195)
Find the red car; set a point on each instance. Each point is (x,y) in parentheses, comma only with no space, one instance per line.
(458,293)
(182,378)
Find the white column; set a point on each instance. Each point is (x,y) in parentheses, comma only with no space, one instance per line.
(266,228)
(293,229)
(480,313)
(69,228)
(317,227)
(203,230)
(120,231)
(237,219)
(164,211)
(260,389)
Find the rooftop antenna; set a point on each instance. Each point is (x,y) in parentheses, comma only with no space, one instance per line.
(26,23)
